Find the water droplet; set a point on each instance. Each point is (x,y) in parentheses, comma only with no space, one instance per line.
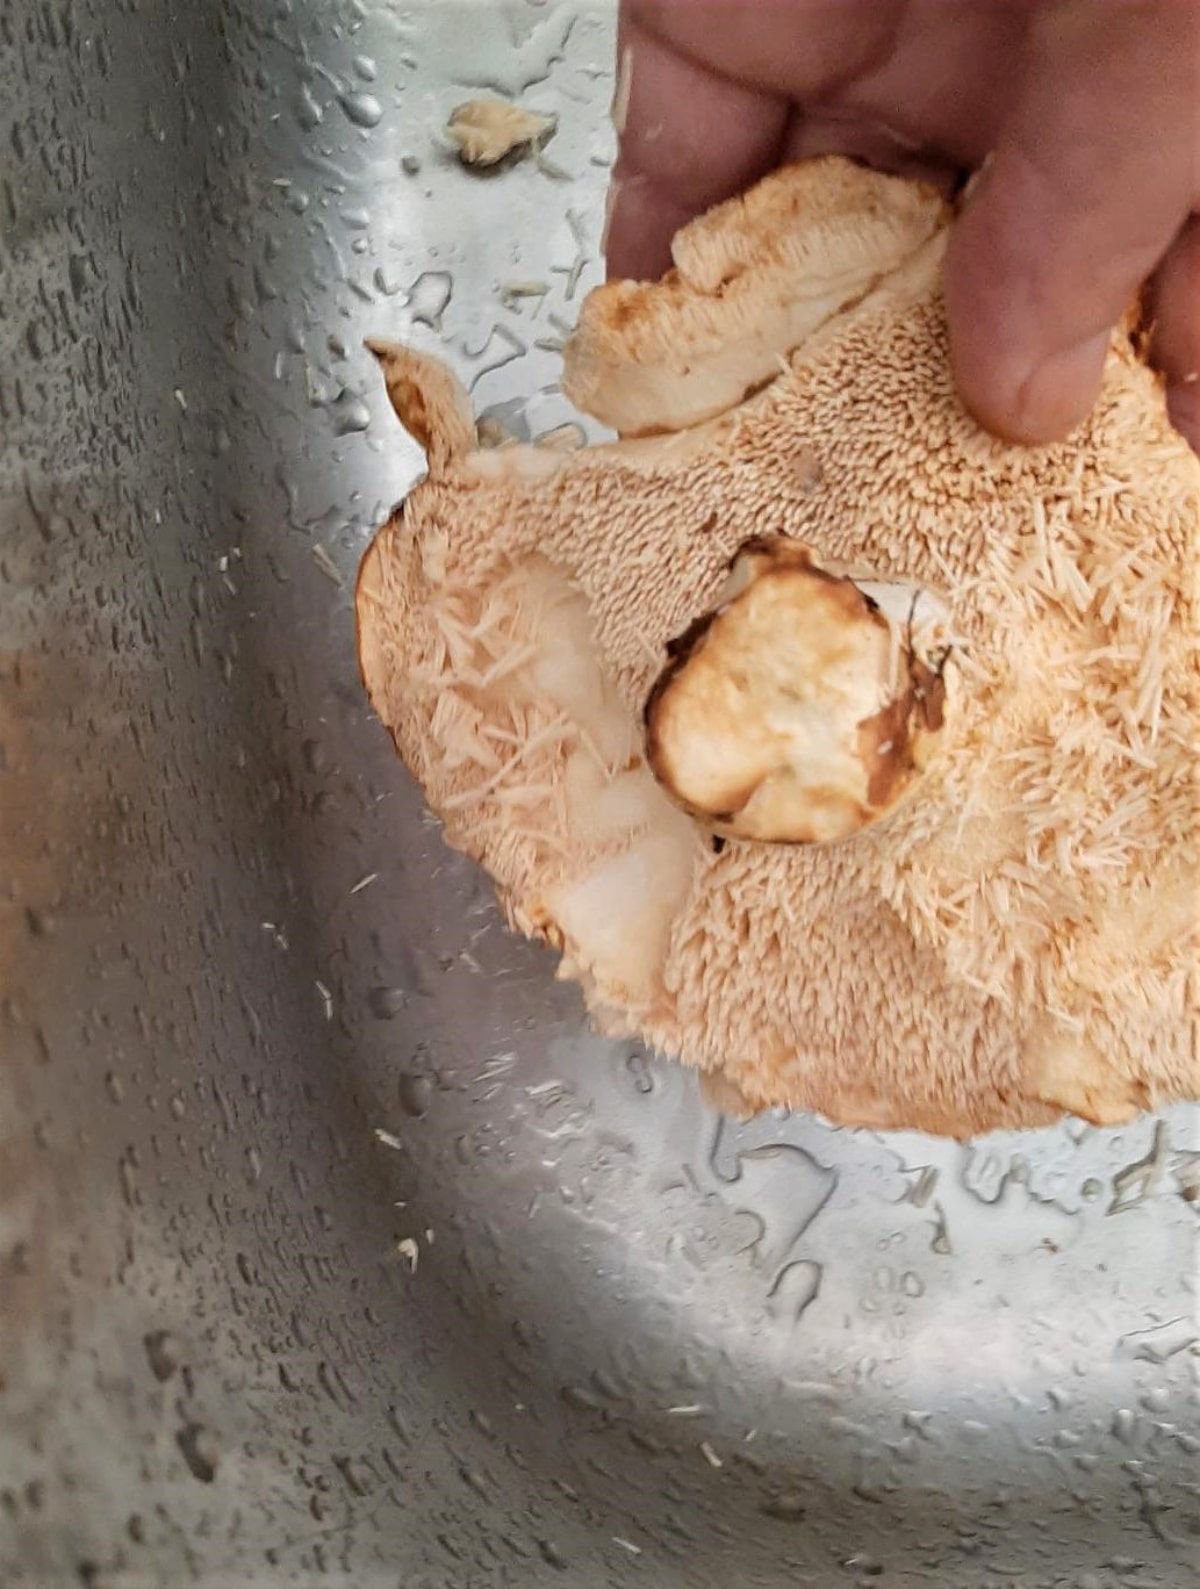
(308,113)
(474,1481)
(795,1289)
(355,1481)
(127,1175)
(637,1068)
(163,1353)
(416,1094)
(350,414)
(551,1555)
(363,109)
(429,296)
(386,1003)
(387,281)
(199,1451)
(786,1189)
(924,1186)
(314,757)
(79,268)
(581,1396)
(365,68)
(504,421)
(788,1508)
(115,1087)
(940,1240)
(1160,1341)
(1124,1425)
(1135,1183)
(265,290)
(985,1175)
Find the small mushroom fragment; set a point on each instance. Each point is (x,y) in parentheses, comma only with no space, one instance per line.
(805,705)
(486,130)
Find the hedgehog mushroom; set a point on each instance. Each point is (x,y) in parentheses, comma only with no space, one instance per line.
(841,750)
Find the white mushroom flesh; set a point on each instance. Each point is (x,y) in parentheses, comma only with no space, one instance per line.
(571,773)
(806,704)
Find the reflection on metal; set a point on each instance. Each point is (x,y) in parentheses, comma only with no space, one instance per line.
(264,1041)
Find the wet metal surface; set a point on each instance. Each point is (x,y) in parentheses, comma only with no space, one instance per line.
(332,1249)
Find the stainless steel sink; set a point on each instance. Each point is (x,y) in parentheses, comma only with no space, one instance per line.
(333,1249)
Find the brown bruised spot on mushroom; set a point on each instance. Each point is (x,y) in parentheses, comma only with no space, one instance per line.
(485,131)
(805,705)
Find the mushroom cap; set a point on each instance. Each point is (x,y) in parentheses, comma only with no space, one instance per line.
(1015,937)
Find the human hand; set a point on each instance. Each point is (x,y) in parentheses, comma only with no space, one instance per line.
(1087,113)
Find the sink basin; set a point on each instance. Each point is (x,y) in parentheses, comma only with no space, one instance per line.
(333,1248)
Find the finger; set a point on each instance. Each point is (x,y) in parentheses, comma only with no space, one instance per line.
(1175,347)
(801,49)
(1091,179)
(873,143)
(689,139)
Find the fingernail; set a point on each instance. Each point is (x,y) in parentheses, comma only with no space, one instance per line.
(1060,392)
(618,111)
(972,185)
(610,206)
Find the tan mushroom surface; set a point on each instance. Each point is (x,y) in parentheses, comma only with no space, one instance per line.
(486,131)
(842,750)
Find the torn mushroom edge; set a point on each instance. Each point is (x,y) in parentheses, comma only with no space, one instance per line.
(928,691)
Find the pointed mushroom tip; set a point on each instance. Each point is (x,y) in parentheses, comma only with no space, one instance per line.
(381,348)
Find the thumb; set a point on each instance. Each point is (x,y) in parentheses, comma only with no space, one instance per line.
(1093,175)
(688,138)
